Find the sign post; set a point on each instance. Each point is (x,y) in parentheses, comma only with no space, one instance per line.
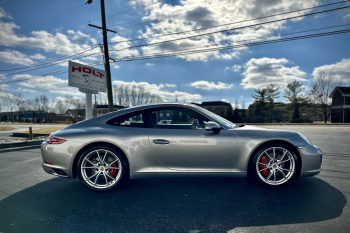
(89,80)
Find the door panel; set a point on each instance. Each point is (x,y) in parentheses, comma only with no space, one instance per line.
(195,149)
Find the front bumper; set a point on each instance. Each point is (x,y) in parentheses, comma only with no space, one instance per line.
(311,157)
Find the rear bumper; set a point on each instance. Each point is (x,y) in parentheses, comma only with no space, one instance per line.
(59,157)
(53,170)
(311,157)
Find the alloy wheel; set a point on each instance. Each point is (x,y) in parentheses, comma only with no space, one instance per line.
(101,169)
(275,166)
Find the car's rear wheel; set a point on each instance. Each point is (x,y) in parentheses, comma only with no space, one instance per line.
(275,165)
(101,168)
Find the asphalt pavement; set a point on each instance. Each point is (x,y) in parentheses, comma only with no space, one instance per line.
(33,201)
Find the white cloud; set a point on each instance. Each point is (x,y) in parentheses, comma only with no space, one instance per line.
(347,16)
(56,42)
(157,90)
(116,66)
(205,85)
(260,72)
(3,14)
(170,85)
(50,83)
(37,56)
(15,57)
(340,69)
(26,90)
(150,64)
(236,68)
(127,53)
(189,15)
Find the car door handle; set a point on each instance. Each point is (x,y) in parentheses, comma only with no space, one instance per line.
(160,141)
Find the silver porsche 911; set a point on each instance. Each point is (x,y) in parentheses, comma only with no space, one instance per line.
(172,140)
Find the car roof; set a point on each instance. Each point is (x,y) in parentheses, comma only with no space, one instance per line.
(105,117)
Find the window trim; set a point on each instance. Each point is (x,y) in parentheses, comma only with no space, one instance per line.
(146,119)
(154,124)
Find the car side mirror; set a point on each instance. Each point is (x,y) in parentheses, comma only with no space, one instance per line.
(212,126)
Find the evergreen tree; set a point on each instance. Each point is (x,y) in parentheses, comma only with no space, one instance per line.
(244,113)
(293,93)
(229,114)
(260,100)
(272,94)
(236,118)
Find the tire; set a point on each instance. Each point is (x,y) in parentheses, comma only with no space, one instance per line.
(275,165)
(101,168)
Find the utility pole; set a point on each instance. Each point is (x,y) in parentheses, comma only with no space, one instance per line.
(106,55)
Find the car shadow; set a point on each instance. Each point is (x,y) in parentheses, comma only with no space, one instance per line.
(168,205)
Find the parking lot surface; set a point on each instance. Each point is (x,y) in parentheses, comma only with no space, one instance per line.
(33,201)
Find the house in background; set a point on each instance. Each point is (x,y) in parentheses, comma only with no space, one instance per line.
(99,110)
(218,107)
(340,105)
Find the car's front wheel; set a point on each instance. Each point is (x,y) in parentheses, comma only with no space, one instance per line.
(101,168)
(275,165)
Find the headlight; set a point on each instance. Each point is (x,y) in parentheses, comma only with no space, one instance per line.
(305,138)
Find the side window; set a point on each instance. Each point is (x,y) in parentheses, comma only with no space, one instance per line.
(137,119)
(177,118)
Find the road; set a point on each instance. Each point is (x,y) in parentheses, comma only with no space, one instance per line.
(17,128)
(33,201)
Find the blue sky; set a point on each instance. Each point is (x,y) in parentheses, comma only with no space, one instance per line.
(228,75)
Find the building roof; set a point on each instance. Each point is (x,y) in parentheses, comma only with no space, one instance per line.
(343,90)
(216,103)
(106,106)
(40,115)
(76,112)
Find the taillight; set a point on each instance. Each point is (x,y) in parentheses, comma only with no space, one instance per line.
(53,140)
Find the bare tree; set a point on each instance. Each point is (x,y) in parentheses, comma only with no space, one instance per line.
(120,93)
(133,96)
(36,103)
(10,103)
(29,105)
(60,107)
(321,87)
(44,102)
(115,91)
(127,95)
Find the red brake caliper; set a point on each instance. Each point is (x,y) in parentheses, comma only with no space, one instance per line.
(113,171)
(263,160)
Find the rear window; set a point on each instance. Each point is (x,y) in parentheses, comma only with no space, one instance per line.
(137,119)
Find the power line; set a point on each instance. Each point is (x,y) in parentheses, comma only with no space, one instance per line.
(24,7)
(55,61)
(44,75)
(5,3)
(119,13)
(170,16)
(44,66)
(52,17)
(260,38)
(227,30)
(187,52)
(48,19)
(243,21)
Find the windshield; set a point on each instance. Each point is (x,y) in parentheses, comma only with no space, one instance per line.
(217,118)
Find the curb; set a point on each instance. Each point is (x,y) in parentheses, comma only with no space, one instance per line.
(26,135)
(20,144)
